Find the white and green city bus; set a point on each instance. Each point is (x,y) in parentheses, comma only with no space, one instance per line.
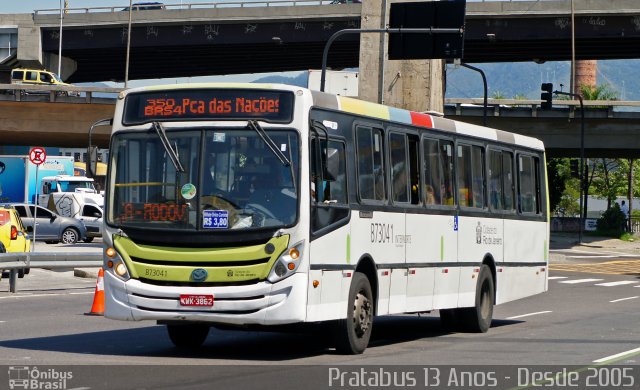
(256,204)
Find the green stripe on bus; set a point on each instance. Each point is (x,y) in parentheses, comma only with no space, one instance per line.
(441,248)
(348,248)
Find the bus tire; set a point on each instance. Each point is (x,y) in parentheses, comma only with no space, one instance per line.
(478,318)
(187,336)
(353,332)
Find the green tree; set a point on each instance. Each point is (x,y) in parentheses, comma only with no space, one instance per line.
(599,92)
(609,179)
(557,173)
(569,205)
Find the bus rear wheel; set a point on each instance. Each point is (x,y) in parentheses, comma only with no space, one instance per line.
(478,318)
(187,336)
(353,332)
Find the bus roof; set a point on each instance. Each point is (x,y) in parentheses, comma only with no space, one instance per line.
(361,107)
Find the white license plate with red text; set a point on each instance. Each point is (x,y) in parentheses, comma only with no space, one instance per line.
(196,300)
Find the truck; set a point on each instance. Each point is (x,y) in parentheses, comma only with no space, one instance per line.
(67,195)
(337,82)
(18,182)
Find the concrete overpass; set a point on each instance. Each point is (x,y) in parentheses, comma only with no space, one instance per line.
(609,131)
(184,41)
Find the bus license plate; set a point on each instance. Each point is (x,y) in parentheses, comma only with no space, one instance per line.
(196,300)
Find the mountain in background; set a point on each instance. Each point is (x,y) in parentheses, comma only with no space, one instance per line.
(523,79)
(520,79)
(299,80)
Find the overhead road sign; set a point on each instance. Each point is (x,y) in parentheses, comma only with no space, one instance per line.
(432,14)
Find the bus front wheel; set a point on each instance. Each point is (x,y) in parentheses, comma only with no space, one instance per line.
(187,336)
(353,333)
(478,318)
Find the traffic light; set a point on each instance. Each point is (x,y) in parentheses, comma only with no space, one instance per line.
(574,167)
(546,96)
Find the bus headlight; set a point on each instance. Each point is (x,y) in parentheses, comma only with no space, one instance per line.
(116,264)
(287,263)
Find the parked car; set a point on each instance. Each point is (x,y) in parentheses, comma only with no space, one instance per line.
(145,6)
(13,234)
(51,227)
(91,216)
(25,76)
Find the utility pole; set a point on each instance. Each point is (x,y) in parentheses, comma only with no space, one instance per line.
(583,173)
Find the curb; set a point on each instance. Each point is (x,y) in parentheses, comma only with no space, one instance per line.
(85,273)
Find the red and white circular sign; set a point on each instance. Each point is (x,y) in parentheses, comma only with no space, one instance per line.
(37,155)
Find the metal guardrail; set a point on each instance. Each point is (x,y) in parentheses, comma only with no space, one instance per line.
(190,6)
(634,223)
(62,94)
(600,108)
(535,102)
(59,260)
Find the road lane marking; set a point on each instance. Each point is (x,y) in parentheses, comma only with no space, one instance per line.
(43,295)
(576,281)
(557,277)
(629,353)
(529,314)
(623,299)
(619,283)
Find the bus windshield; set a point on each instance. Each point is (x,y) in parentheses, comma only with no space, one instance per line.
(230,179)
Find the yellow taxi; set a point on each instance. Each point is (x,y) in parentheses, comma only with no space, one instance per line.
(13,235)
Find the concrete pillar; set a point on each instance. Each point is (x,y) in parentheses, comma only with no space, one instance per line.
(415,85)
(69,66)
(29,46)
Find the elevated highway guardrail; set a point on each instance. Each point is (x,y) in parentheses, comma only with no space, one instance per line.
(59,260)
(66,94)
(190,6)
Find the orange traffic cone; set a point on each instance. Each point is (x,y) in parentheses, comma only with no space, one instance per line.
(97,309)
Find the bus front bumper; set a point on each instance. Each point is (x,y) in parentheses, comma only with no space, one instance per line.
(262,303)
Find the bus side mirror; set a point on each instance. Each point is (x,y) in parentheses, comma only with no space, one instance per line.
(92,161)
(92,151)
(332,165)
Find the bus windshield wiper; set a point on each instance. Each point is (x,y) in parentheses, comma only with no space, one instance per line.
(269,142)
(173,154)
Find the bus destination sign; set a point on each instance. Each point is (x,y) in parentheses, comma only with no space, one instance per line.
(208,104)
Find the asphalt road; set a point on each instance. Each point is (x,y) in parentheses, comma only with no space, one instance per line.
(588,317)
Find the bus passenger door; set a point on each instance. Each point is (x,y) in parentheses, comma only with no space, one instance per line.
(401,197)
(421,239)
(476,230)
(330,231)
(443,223)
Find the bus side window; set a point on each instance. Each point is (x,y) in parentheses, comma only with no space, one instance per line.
(371,175)
(528,184)
(470,170)
(398,154)
(329,194)
(496,194)
(332,190)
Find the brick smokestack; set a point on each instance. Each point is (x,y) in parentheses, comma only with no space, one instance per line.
(585,73)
